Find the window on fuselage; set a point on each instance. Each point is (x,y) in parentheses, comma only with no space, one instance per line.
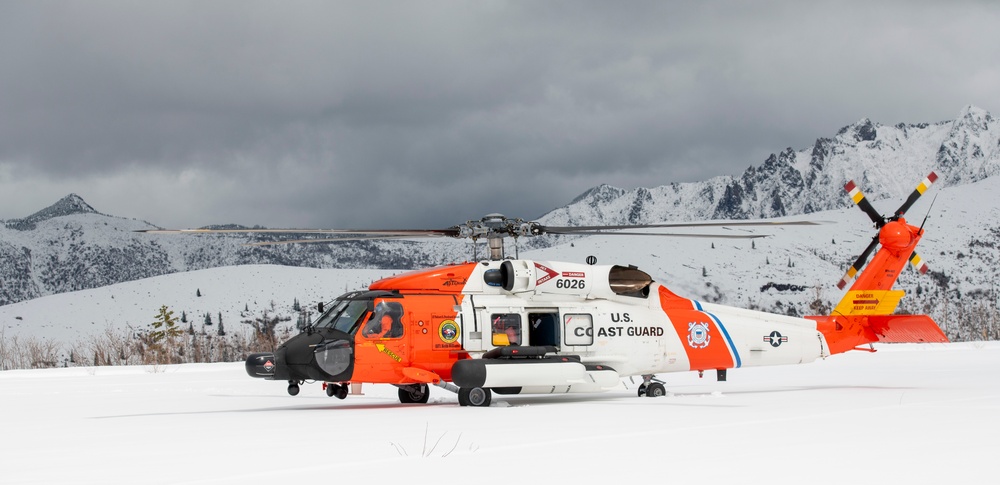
(345,316)
(579,328)
(506,328)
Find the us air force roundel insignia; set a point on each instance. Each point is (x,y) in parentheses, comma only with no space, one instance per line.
(775,339)
(698,336)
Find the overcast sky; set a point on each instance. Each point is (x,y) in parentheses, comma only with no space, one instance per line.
(414,114)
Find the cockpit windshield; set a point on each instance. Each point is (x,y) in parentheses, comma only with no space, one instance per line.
(344,315)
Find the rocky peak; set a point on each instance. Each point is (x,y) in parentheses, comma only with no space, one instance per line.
(69,205)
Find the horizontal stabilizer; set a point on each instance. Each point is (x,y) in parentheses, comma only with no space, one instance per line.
(906,328)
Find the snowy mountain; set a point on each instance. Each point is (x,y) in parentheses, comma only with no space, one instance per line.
(792,272)
(71,246)
(885,161)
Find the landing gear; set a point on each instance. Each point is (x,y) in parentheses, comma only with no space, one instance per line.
(414,394)
(336,390)
(655,390)
(293,388)
(474,396)
(651,387)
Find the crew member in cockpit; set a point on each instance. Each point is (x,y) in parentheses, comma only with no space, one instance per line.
(385,322)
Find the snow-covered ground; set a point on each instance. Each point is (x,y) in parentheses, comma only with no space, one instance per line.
(905,414)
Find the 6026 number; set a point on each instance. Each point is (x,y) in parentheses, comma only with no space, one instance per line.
(571,284)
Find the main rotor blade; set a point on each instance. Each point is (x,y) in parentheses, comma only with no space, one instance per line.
(859,198)
(327,240)
(584,229)
(452,231)
(666,234)
(853,270)
(921,188)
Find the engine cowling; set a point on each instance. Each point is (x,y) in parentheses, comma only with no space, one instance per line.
(589,281)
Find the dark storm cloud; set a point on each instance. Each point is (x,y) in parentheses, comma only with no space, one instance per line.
(412,114)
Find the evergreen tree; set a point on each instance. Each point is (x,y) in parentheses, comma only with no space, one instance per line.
(713,245)
(704,272)
(184,317)
(165,326)
(296,306)
(222,331)
(208,319)
(198,293)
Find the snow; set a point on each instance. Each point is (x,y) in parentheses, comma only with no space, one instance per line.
(905,414)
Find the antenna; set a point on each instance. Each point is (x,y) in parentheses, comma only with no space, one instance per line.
(928,214)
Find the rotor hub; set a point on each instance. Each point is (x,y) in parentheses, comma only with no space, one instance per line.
(896,235)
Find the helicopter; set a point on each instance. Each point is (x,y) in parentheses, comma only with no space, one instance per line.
(516,326)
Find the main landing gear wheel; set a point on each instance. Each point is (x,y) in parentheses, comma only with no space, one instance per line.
(655,389)
(651,387)
(414,394)
(474,396)
(336,390)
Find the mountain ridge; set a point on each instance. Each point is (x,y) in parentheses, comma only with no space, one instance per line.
(71,246)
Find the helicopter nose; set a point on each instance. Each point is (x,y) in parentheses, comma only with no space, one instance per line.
(261,365)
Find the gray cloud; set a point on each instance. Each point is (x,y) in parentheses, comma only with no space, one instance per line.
(425,114)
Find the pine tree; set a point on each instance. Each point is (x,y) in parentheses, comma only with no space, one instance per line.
(704,272)
(753,244)
(198,293)
(222,331)
(208,319)
(296,306)
(184,317)
(165,327)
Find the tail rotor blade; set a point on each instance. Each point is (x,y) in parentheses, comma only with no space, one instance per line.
(859,198)
(853,270)
(918,263)
(921,188)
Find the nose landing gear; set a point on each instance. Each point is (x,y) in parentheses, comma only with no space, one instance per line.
(293,388)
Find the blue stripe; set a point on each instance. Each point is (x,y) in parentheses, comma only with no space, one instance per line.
(725,332)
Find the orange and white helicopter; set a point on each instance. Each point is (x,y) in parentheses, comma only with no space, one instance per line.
(516,326)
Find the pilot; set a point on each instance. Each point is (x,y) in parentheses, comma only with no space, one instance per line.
(385,322)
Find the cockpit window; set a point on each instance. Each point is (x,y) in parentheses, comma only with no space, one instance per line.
(385,322)
(344,315)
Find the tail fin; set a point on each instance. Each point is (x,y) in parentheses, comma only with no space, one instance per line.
(864,315)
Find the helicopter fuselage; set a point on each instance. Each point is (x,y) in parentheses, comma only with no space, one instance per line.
(521,326)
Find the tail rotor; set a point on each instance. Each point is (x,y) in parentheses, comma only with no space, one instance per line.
(885,235)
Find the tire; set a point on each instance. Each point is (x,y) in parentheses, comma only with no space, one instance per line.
(414,394)
(656,390)
(293,389)
(642,390)
(474,396)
